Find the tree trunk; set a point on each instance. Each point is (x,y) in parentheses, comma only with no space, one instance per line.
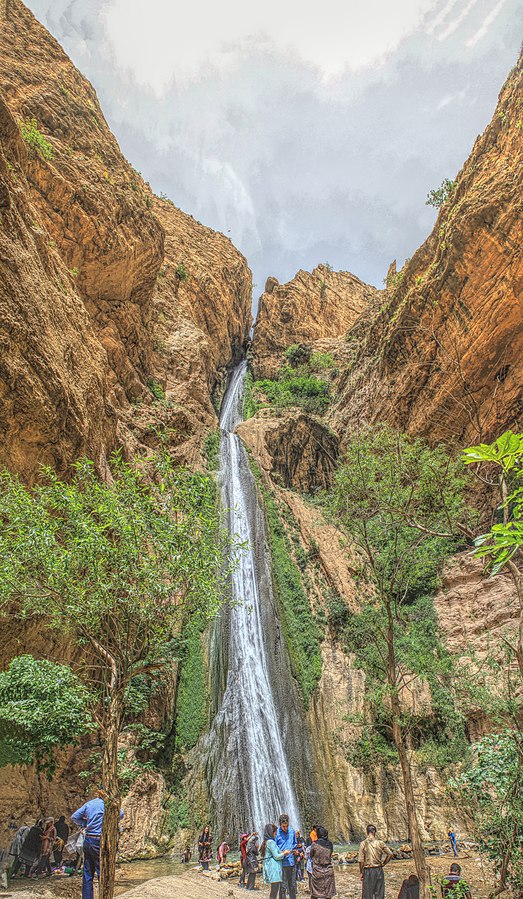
(406,770)
(109,843)
(410,807)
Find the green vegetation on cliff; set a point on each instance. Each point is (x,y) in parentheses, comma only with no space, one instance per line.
(301,381)
(192,700)
(300,627)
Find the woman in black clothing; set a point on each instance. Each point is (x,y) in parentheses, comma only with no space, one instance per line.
(251,860)
(62,832)
(30,851)
(205,847)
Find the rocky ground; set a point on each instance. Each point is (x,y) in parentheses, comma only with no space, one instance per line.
(197,885)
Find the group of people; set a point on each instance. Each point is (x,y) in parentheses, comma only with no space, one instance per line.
(39,850)
(34,847)
(285,855)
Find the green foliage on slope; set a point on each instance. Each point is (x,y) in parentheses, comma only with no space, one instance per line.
(301,630)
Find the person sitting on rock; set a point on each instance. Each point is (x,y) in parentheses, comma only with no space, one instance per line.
(449,884)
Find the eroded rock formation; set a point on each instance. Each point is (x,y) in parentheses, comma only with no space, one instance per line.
(438,353)
(444,355)
(323,303)
(298,450)
(130,269)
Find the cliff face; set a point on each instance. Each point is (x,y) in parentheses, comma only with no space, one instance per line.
(54,393)
(438,353)
(310,307)
(444,356)
(91,368)
(473,613)
(119,316)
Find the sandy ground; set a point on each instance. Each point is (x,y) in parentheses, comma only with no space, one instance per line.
(196,885)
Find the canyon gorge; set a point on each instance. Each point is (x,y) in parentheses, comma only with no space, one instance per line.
(123,324)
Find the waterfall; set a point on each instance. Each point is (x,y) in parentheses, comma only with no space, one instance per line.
(250,780)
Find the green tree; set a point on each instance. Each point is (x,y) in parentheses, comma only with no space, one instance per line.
(401,504)
(500,466)
(493,787)
(441,194)
(42,706)
(119,567)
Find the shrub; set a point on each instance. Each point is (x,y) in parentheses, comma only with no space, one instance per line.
(181,272)
(321,361)
(439,197)
(36,140)
(156,389)
(42,706)
(211,449)
(298,354)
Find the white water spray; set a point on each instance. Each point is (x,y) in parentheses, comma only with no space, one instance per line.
(247,720)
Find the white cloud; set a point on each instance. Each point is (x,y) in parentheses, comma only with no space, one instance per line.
(486,24)
(160,40)
(307,133)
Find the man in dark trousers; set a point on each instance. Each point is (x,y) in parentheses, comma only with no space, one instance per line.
(62,832)
(373,855)
(90,819)
(286,839)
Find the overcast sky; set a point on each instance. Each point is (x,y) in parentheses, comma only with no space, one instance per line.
(306,132)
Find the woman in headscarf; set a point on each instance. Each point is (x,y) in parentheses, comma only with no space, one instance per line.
(272,858)
(30,851)
(251,860)
(48,838)
(322,878)
(205,847)
(16,847)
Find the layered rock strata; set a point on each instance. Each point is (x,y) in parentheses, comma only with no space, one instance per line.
(444,355)
(131,269)
(314,305)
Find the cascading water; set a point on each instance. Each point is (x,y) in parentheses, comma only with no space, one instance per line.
(250,781)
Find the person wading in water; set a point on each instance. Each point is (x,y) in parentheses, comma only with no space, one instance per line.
(373,855)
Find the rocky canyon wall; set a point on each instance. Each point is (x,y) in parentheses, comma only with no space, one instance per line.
(119,317)
(314,305)
(121,311)
(443,357)
(438,353)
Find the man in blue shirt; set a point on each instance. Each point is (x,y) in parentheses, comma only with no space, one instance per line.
(90,819)
(286,839)
(453,842)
